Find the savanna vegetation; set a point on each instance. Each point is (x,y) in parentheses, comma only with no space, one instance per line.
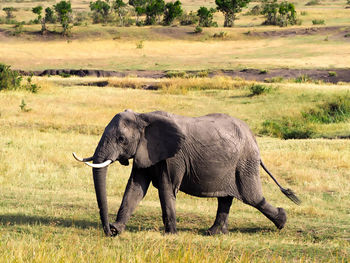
(48,210)
(48,207)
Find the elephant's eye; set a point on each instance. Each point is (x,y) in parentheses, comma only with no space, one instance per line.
(121,139)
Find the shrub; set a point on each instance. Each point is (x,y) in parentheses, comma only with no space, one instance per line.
(221,35)
(205,16)
(139,45)
(23,106)
(347,35)
(332,73)
(100,11)
(333,111)
(263,71)
(153,9)
(18,29)
(65,75)
(303,79)
(318,22)
(258,89)
(287,128)
(172,11)
(198,30)
(280,14)
(31,87)
(9,79)
(303,13)
(188,19)
(175,74)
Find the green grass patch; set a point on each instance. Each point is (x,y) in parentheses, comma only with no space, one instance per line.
(333,111)
(318,22)
(259,89)
(302,126)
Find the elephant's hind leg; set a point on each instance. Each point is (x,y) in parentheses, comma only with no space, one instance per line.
(249,186)
(221,221)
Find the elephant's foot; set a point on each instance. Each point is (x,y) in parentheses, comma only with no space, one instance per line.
(281,218)
(116,228)
(217,229)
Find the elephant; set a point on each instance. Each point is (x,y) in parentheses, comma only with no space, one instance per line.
(215,155)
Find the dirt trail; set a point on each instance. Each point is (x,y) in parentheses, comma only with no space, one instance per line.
(326,75)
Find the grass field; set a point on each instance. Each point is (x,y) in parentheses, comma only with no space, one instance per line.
(169,48)
(48,211)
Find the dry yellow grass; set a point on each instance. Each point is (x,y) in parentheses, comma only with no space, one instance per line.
(298,52)
(48,208)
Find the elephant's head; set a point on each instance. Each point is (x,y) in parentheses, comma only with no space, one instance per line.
(146,138)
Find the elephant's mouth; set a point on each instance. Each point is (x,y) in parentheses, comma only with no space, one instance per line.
(123,161)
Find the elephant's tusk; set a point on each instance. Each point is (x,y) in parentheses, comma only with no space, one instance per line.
(82,159)
(99,165)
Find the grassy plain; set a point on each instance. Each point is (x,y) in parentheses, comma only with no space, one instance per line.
(168,48)
(48,211)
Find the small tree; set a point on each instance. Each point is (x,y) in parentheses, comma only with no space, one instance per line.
(100,11)
(205,16)
(64,13)
(38,10)
(287,14)
(279,14)
(154,9)
(172,11)
(49,15)
(140,9)
(270,10)
(119,7)
(230,8)
(9,12)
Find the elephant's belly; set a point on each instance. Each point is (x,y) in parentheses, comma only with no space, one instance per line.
(213,180)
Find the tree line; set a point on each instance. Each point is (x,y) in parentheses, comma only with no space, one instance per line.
(151,12)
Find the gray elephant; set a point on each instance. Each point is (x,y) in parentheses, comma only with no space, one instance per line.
(210,156)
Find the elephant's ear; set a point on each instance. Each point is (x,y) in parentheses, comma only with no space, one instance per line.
(161,138)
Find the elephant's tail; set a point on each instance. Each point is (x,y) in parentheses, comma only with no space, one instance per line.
(288,192)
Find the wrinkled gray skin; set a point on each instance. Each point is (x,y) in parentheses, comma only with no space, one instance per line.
(210,156)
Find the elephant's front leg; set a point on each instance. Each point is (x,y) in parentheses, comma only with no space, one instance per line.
(167,200)
(135,190)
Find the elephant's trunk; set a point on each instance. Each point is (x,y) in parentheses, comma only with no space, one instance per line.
(99,175)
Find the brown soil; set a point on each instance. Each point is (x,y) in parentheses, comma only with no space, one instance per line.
(326,75)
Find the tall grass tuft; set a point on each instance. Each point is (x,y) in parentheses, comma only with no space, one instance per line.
(333,111)
(286,128)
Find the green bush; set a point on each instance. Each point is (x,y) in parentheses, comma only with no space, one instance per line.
(332,74)
(9,79)
(318,22)
(333,111)
(287,129)
(303,79)
(175,74)
(198,30)
(258,89)
(188,19)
